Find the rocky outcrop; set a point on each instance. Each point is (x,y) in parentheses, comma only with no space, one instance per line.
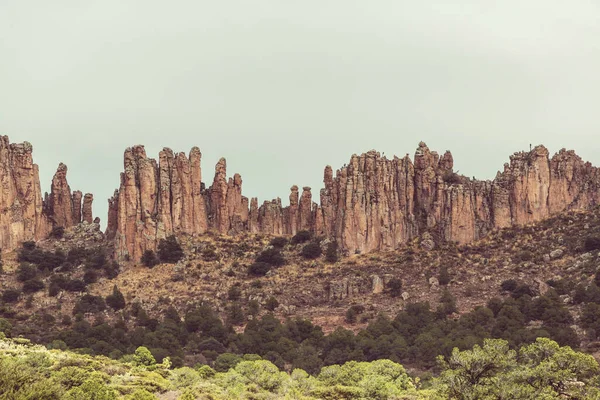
(21,205)
(372,203)
(24,215)
(159,199)
(63,207)
(86,213)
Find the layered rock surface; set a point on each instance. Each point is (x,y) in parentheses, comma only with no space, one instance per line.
(23,214)
(372,203)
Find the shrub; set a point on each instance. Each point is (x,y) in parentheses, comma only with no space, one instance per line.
(57,232)
(444,277)
(75,285)
(116,301)
(271,256)
(311,251)
(209,254)
(509,285)
(169,250)
(259,268)
(331,254)
(149,259)
(235,314)
(279,242)
(395,287)
(592,243)
(226,361)
(33,285)
(89,304)
(234,293)
(301,237)
(26,272)
(11,295)
(271,304)
(353,312)
(143,357)
(90,277)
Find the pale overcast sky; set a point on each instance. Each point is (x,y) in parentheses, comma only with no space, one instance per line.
(282,88)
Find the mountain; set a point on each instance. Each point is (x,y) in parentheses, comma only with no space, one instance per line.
(371,204)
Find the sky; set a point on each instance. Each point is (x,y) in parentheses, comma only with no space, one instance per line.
(282,88)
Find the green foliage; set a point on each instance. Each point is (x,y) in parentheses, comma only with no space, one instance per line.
(89,304)
(592,243)
(26,272)
(116,300)
(278,242)
(271,304)
(444,277)
(301,237)
(5,327)
(542,370)
(226,361)
(149,259)
(311,251)
(234,293)
(169,250)
(33,285)
(143,357)
(11,295)
(271,256)
(57,232)
(259,268)
(331,253)
(395,287)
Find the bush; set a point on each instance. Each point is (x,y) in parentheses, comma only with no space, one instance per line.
(116,301)
(169,250)
(271,256)
(353,312)
(89,304)
(279,242)
(149,258)
(57,232)
(509,285)
(331,254)
(259,269)
(11,295)
(226,361)
(311,251)
(234,293)
(143,357)
(76,285)
(271,304)
(444,277)
(592,243)
(90,277)
(301,237)
(26,272)
(395,287)
(33,285)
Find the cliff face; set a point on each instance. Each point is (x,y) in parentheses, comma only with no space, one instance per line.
(370,204)
(23,214)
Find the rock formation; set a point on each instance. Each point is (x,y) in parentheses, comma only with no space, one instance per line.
(63,207)
(370,204)
(21,206)
(23,214)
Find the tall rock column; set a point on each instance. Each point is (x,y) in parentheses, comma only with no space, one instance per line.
(21,205)
(87,213)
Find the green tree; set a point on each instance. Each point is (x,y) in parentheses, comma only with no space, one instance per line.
(169,250)
(116,300)
(142,356)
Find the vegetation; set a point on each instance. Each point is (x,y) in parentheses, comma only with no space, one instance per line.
(149,259)
(542,370)
(311,251)
(169,250)
(301,237)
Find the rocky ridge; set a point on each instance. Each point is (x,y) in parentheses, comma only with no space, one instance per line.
(372,203)
(24,215)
